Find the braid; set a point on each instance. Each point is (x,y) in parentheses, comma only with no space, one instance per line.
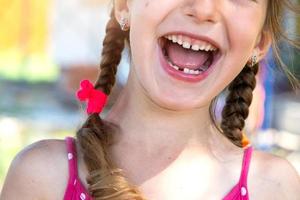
(104,179)
(113,46)
(236,109)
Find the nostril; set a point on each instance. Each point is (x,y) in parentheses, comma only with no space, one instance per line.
(190,15)
(188,10)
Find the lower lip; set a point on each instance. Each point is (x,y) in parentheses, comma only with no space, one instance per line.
(180,75)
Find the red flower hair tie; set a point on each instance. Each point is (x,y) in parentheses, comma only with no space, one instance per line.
(96,99)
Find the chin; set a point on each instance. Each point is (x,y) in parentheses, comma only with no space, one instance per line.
(177,104)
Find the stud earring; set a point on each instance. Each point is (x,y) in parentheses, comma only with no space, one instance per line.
(253,61)
(124,24)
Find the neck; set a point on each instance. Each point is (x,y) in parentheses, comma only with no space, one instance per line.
(146,130)
(152,127)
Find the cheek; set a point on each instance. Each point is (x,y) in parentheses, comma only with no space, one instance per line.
(243,36)
(149,14)
(143,25)
(244,32)
(143,32)
(151,10)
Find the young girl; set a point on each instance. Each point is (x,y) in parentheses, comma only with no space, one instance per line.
(160,140)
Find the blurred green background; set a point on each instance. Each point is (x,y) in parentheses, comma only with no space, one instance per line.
(48,46)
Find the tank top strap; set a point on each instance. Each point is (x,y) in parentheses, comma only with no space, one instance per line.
(245,166)
(72,158)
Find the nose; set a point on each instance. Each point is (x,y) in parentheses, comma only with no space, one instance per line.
(202,10)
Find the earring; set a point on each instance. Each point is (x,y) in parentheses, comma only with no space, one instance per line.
(253,61)
(124,24)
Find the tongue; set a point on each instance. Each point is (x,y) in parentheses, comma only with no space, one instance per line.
(186,58)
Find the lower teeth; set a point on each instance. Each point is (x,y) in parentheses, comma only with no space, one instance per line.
(186,70)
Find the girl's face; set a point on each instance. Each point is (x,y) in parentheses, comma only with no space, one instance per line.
(166,38)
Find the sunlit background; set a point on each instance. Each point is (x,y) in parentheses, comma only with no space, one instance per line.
(48,46)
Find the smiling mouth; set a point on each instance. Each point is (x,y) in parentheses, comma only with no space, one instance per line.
(188,56)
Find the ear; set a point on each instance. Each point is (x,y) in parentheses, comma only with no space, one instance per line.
(121,9)
(263,44)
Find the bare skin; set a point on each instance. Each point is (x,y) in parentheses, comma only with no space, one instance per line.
(167,144)
(47,159)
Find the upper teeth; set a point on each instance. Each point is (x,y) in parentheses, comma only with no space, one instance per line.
(188,43)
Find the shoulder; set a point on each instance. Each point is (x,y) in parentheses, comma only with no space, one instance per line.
(37,169)
(273,177)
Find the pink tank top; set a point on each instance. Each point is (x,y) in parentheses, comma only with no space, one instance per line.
(76,191)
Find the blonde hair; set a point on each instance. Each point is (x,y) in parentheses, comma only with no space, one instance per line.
(107,181)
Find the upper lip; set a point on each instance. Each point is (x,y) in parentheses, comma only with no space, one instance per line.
(195,37)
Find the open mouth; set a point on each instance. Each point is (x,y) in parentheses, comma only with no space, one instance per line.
(187,56)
